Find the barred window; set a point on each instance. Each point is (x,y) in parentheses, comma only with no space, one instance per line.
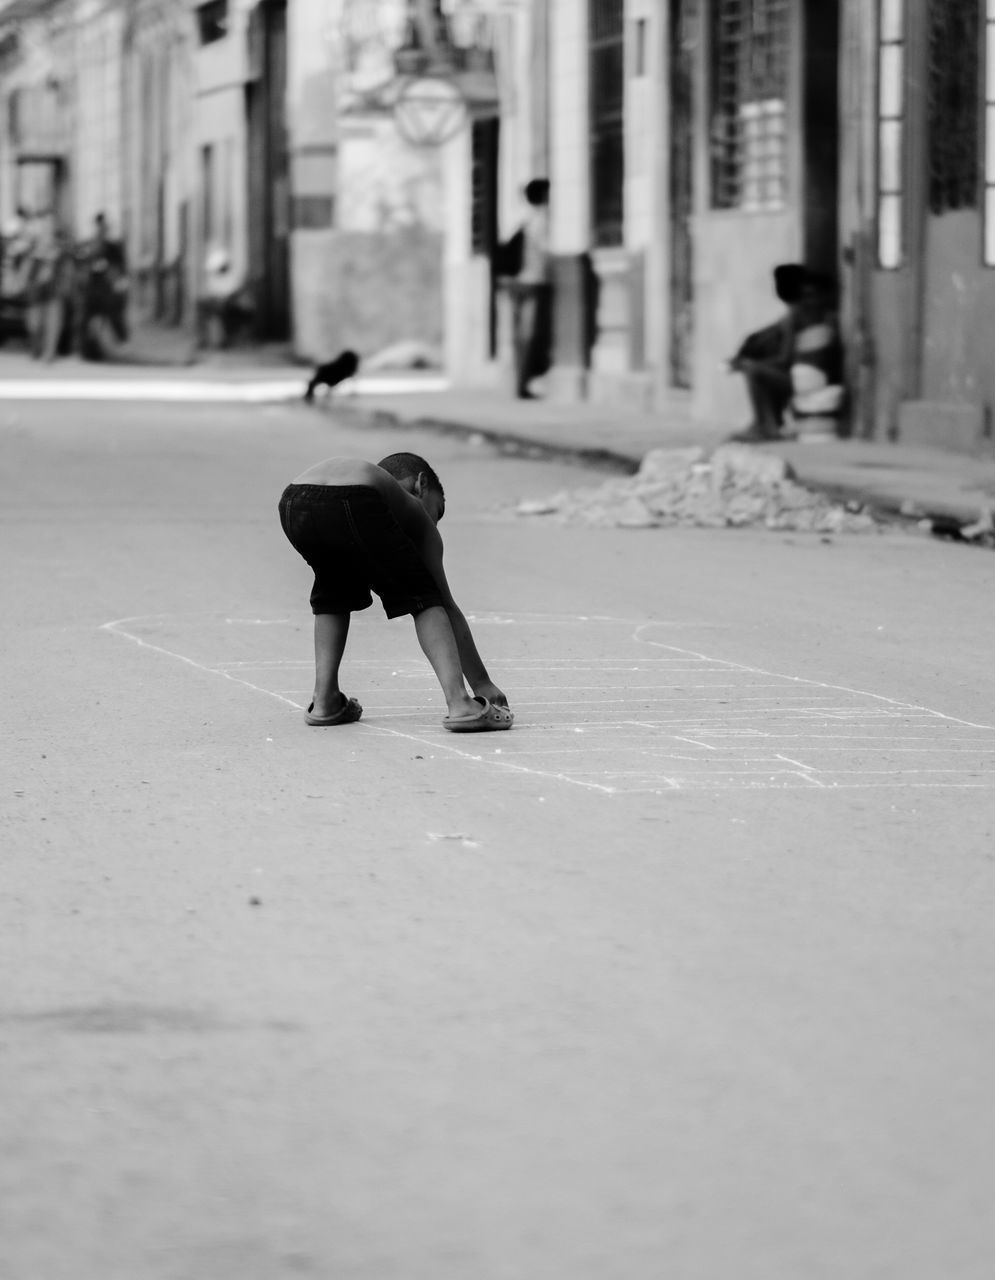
(891,133)
(954,64)
(483,186)
(750,49)
(606,60)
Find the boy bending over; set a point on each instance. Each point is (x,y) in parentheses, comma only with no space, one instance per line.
(362,526)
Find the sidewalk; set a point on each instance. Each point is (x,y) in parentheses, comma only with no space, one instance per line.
(892,478)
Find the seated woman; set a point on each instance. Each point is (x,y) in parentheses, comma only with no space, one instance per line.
(799,355)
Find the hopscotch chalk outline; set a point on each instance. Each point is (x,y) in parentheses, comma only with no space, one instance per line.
(703,724)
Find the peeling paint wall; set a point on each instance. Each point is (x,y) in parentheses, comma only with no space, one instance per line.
(366,232)
(959,319)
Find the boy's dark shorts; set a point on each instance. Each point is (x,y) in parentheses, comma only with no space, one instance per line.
(350,538)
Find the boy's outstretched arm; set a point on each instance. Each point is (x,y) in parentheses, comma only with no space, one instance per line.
(470,660)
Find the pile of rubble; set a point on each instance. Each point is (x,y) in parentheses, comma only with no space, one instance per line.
(733,486)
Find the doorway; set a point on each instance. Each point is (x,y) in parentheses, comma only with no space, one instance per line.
(484,212)
(821,134)
(269,172)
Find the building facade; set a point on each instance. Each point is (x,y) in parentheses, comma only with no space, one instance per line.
(366,217)
(693,145)
(170,119)
(38,97)
(918,214)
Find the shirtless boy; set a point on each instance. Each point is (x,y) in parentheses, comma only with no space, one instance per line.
(362,526)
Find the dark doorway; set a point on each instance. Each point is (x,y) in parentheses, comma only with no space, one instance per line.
(484,210)
(821,133)
(269,195)
(683,25)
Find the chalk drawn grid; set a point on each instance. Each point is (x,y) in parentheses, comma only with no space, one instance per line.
(612,706)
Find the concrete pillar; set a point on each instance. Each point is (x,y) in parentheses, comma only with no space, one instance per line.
(570,199)
(312,116)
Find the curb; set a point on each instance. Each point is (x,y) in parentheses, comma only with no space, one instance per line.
(506,442)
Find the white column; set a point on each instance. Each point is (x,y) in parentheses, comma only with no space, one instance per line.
(570,218)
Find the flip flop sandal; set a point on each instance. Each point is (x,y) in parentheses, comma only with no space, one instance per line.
(348,713)
(490,717)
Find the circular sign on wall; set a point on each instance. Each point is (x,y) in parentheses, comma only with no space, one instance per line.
(430,110)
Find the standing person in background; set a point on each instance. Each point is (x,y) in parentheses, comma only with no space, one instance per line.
(49,285)
(526,258)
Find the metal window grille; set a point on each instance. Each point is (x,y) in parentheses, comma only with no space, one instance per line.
(483,186)
(953,96)
(606,62)
(891,133)
(750,49)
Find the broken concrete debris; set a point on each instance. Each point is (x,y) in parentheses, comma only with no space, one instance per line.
(733,486)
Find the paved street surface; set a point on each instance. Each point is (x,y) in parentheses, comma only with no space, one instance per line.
(691,975)
(889,477)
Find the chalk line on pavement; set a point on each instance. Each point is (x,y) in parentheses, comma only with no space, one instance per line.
(629,723)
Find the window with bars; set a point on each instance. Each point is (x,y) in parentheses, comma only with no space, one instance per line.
(750,49)
(606,63)
(891,133)
(483,186)
(953,96)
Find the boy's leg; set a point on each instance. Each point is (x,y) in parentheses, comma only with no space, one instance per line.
(435,635)
(331,630)
(769,389)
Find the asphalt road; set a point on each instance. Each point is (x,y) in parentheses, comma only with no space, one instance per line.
(690,975)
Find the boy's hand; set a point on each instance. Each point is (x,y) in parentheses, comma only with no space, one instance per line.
(489,690)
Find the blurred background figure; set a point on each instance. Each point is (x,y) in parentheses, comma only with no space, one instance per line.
(50,288)
(796,363)
(15,274)
(524,262)
(102,293)
(226,309)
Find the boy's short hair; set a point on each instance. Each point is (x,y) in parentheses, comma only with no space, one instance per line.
(409,466)
(789,280)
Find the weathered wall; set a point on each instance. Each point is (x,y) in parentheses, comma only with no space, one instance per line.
(519,42)
(467,328)
(959,316)
(372,274)
(220,122)
(366,289)
(159,148)
(98,154)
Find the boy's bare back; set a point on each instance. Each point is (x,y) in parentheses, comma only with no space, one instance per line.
(407,510)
